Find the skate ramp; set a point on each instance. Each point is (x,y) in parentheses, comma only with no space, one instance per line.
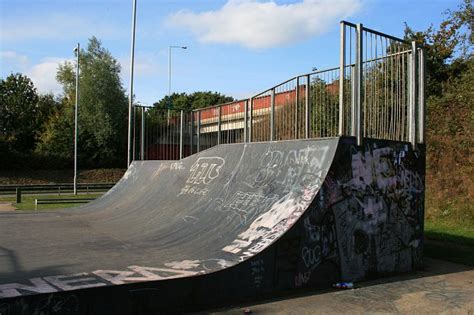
(180,218)
(235,223)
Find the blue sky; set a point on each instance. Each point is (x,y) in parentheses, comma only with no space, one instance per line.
(236,47)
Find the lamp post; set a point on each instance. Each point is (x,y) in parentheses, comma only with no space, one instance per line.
(77,50)
(130,97)
(169,76)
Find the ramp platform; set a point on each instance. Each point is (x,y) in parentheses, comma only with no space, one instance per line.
(234,223)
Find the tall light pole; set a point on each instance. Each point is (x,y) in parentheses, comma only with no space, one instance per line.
(130,97)
(78,52)
(169,76)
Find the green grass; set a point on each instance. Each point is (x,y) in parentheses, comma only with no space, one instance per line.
(450,232)
(450,241)
(28,201)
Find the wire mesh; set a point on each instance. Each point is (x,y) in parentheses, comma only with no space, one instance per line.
(385,87)
(209,125)
(232,122)
(385,78)
(379,77)
(261,116)
(324,103)
(286,110)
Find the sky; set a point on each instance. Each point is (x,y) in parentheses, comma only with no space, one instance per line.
(235,47)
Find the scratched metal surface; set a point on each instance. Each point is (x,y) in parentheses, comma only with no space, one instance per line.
(201,214)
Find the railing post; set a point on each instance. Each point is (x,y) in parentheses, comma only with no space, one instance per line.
(18,195)
(306,107)
(250,119)
(353,101)
(181,131)
(297,98)
(342,75)
(421,97)
(358,85)
(198,132)
(219,126)
(272,115)
(142,136)
(412,97)
(246,108)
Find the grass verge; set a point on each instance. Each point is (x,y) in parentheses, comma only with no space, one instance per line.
(28,201)
(451,242)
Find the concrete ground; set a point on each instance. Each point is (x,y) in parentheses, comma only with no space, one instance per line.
(6,206)
(443,287)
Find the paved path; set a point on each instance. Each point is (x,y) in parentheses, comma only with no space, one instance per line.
(6,206)
(442,288)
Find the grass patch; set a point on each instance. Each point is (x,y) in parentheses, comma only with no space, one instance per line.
(450,241)
(28,201)
(449,232)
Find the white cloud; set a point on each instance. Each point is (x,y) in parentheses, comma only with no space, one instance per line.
(256,24)
(13,59)
(43,75)
(145,65)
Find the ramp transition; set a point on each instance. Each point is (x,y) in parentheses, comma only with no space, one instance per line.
(233,223)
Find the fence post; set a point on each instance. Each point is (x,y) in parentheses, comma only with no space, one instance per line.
(342,75)
(18,195)
(272,115)
(421,97)
(306,106)
(246,108)
(142,134)
(181,131)
(297,97)
(353,101)
(198,132)
(412,97)
(250,119)
(219,125)
(358,85)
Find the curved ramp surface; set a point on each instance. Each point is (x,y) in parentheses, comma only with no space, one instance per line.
(233,223)
(167,219)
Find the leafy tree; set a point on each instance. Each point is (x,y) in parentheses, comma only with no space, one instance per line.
(22,112)
(183,101)
(450,116)
(102,110)
(448,48)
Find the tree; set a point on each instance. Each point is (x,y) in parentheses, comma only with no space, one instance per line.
(450,115)
(102,110)
(448,48)
(192,101)
(21,112)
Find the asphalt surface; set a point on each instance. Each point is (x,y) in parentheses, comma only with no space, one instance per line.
(442,288)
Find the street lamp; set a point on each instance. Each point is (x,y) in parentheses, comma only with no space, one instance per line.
(169,76)
(77,50)
(130,97)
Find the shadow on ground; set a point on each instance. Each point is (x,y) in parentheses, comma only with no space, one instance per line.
(441,287)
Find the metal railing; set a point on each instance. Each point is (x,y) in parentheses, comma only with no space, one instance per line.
(377,92)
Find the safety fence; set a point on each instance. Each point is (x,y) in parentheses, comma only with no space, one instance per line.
(377,92)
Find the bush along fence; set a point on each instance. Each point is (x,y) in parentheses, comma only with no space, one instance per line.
(376,92)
